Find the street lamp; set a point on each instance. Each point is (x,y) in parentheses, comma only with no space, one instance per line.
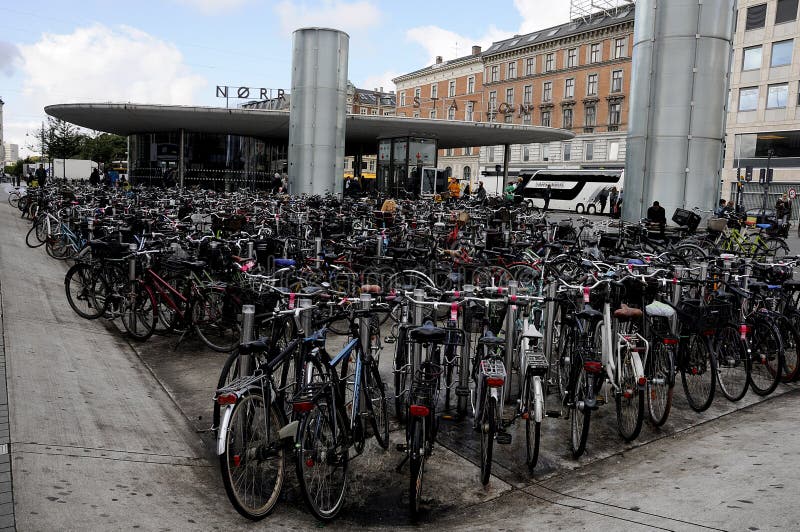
(770,154)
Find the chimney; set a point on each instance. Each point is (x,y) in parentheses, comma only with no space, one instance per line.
(375,89)
(438,59)
(476,50)
(381,90)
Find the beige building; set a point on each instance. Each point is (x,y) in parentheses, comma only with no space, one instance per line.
(375,102)
(763,121)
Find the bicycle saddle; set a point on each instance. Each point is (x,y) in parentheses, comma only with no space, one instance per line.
(627,313)
(193,265)
(659,309)
(490,339)
(283,263)
(763,226)
(428,333)
(370,289)
(589,313)
(254,346)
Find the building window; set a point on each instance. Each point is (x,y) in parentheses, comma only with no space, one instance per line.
(748,99)
(512,70)
(388,113)
(588,150)
(494,73)
(572,57)
(619,48)
(594,53)
(545,152)
(470,84)
(591,85)
(467,170)
(590,119)
(434,90)
(616,81)
(786,12)
(432,114)
(776,96)
(509,95)
(374,112)
(614,116)
(527,94)
(781,53)
(569,88)
(756,16)
(613,150)
(402,99)
(567,151)
(548,62)
(451,88)
(417,92)
(493,101)
(363,111)
(468,151)
(546,118)
(567,118)
(491,154)
(416,114)
(526,153)
(547,91)
(469,110)
(508,118)
(526,119)
(751,58)
(451,113)
(529,66)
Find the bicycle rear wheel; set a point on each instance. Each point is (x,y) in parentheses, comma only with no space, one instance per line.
(32,238)
(766,356)
(629,402)
(733,364)
(417,457)
(698,372)
(375,393)
(790,337)
(660,373)
(83,285)
(141,313)
(322,461)
(580,416)
(253,465)
(218,329)
(488,429)
(532,426)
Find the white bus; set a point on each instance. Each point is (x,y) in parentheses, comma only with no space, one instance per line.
(570,190)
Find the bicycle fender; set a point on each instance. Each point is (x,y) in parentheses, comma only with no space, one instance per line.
(289,431)
(222,432)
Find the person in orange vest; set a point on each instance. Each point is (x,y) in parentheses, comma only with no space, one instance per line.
(454,188)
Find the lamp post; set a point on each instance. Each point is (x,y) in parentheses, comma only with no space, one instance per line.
(770,154)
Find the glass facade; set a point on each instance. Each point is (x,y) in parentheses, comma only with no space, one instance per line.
(211,160)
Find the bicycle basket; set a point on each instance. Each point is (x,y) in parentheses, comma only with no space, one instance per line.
(717,225)
(426,384)
(696,316)
(686,218)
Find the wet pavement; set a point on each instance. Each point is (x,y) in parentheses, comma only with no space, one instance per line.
(106,434)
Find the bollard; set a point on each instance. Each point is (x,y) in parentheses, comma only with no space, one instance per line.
(318,247)
(379,246)
(510,324)
(132,264)
(703,275)
(364,322)
(305,317)
(676,296)
(251,254)
(246,361)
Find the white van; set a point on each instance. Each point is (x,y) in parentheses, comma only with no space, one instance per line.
(570,190)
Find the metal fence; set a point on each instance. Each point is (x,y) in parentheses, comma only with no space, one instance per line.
(753,195)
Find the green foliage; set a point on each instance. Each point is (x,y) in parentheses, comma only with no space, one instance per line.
(104,147)
(61,140)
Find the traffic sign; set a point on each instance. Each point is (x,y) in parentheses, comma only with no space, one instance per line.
(792,194)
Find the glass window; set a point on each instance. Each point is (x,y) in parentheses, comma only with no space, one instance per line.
(751,60)
(619,48)
(548,62)
(572,57)
(529,66)
(547,91)
(786,12)
(494,75)
(776,96)
(402,99)
(374,112)
(526,153)
(569,88)
(567,118)
(451,113)
(527,94)
(491,154)
(510,95)
(435,90)
(756,16)
(432,114)
(588,150)
(512,70)
(451,88)
(546,118)
(467,169)
(567,151)
(363,111)
(493,101)
(781,53)
(613,150)
(416,114)
(469,111)
(545,152)
(591,84)
(417,92)
(470,84)
(748,99)
(616,81)
(526,119)
(614,114)
(594,53)
(591,116)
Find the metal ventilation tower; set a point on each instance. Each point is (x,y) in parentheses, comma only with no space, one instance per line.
(583,9)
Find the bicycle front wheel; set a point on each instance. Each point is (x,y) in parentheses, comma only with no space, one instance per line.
(766,356)
(660,373)
(82,285)
(698,373)
(141,313)
(533,408)
(630,401)
(580,416)
(218,329)
(322,461)
(417,463)
(733,364)
(253,465)
(376,404)
(488,429)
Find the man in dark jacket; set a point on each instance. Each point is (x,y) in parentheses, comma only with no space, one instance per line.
(657,215)
(41,175)
(94,177)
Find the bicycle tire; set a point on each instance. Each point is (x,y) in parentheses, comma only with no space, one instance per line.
(140,315)
(245,443)
(216,328)
(32,239)
(400,378)
(488,429)
(660,373)
(629,403)
(532,427)
(57,247)
(580,419)
(790,338)
(82,284)
(375,394)
(315,440)
(13,200)
(733,364)
(766,357)
(698,373)
(417,456)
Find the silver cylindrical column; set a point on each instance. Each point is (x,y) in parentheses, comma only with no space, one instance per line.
(679,93)
(318,109)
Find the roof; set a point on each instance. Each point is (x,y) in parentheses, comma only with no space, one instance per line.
(575,27)
(439,66)
(368,97)
(362,132)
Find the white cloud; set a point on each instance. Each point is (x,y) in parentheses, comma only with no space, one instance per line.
(540,14)
(337,14)
(379,80)
(212,7)
(9,54)
(98,64)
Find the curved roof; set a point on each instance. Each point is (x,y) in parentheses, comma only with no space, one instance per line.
(362,132)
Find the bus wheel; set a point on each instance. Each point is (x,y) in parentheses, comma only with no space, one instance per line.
(591,209)
(579,208)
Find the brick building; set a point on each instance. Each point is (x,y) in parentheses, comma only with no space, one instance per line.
(366,102)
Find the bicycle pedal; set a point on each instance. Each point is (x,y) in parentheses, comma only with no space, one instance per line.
(553,413)
(503,438)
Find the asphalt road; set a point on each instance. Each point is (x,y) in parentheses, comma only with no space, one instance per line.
(108,435)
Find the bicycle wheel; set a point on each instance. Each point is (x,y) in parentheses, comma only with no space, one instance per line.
(322,461)
(57,246)
(376,404)
(218,329)
(32,238)
(566,354)
(141,313)
(629,401)
(13,199)
(488,429)
(400,377)
(580,417)
(790,338)
(83,285)
(733,364)
(775,248)
(491,276)
(794,320)
(533,408)
(766,357)
(691,253)
(698,372)
(417,456)
(253,465)
(660,373)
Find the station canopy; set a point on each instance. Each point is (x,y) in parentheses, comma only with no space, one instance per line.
(362,132)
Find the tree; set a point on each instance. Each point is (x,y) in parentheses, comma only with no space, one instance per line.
(58,140)
(104,147)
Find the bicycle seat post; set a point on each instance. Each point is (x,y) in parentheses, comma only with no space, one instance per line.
(305,317)
(132,262)
(248,315)
(364,322)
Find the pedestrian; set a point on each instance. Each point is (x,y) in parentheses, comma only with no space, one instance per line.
(467,191)
(782,209)
(275,183)
(94,177)
(620,198)
(284,184)
(481,193)
(612,201)
(722,208)
(41,175)
(603,198)
(508,192)
(657,215)
(548,193)
(454,189)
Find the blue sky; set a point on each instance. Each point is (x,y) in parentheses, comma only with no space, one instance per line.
(177,51)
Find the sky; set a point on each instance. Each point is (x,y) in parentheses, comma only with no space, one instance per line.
(178,51)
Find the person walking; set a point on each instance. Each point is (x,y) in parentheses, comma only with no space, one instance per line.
(454,188)
(508,192)
(548,193)
(612,205)
(602,198)
(94,177)
(481,193)
(41,175)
